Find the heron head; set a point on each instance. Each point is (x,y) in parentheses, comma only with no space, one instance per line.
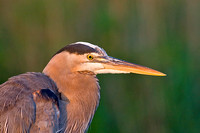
(86,58)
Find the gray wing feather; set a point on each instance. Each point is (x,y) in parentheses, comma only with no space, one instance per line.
(21,111)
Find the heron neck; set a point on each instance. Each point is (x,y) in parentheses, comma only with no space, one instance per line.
(82,91)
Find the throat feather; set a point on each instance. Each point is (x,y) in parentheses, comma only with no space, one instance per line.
(83,94)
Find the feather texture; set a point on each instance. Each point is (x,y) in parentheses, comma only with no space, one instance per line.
(21,111)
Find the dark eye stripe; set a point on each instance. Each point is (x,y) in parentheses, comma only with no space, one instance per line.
(78,49)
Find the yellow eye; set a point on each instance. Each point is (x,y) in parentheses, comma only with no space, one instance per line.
(90,57)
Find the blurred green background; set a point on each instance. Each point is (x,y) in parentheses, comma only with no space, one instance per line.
(161,34)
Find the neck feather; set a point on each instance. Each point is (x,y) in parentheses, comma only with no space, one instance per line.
(82,91)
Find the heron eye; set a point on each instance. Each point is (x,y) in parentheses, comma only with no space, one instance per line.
(90,57)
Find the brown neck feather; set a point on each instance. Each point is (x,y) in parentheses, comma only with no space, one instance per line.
(81,89)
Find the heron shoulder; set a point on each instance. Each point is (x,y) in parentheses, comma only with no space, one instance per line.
(17,105)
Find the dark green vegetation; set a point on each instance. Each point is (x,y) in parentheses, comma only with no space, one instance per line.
(164,35)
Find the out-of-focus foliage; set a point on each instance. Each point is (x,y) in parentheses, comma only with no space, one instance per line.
(162,34)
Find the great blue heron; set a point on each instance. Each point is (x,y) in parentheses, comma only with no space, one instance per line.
(65,96)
